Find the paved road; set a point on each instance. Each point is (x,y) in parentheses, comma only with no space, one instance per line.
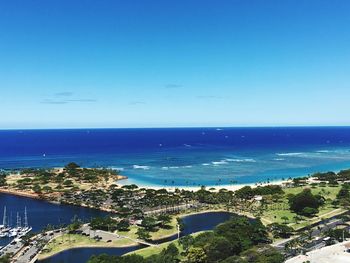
(315,233)
(172,208)
(13,247)
(29,253)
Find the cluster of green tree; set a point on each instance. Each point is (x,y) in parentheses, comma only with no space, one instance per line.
(258,254)
(248,192)
(148,224)
(220,197)
(237,240)
(344,175)
(90,175)
(167,255)
(305,203)
(74,225)
(152,224)
(123,225)
(299,181)
(280,230)
(328,177)
(161,198)
(343,196)
(332,177)
(6,258)
(103,223)
(2,179)
(338,234)
(38,179)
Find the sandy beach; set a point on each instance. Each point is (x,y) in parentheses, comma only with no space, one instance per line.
(233,187)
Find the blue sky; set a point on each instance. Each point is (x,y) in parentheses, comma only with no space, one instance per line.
(66,64)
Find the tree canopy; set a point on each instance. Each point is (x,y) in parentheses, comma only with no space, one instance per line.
(303,201)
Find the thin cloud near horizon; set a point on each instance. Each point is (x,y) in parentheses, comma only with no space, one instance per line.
(173,86)
(65,98)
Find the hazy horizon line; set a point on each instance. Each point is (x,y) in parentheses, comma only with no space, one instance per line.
(180,127)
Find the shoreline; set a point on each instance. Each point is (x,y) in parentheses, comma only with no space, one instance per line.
(233,187)
(86,246)
(21,193)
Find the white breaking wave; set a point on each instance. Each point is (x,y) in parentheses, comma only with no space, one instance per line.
(323,151)
(205,164)
(288,154)
(220,162)
(279,159)
(176,167)
(246,160)
(143,167)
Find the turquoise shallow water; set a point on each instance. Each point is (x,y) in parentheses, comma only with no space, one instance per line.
(186,156)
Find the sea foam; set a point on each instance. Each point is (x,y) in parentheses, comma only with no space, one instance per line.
(246,160)
(219,162)
(289,154)
(143,167)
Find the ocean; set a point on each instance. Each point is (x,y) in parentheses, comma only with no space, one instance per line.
(184,156)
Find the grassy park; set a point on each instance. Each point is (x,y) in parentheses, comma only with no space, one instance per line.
(279,211)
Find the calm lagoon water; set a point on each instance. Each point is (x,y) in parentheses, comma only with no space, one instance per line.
(193,223)
(82,255)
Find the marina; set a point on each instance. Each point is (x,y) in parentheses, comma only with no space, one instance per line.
(6,229)
(42,214)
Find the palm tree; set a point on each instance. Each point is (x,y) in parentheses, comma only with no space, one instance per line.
(285,218)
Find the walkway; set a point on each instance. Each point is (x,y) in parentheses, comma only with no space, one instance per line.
(105,235)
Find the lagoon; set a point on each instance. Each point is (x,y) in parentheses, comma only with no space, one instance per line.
(193,223)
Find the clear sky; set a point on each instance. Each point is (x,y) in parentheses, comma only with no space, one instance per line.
(148,63)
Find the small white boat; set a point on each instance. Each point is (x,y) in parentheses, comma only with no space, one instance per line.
(13,233)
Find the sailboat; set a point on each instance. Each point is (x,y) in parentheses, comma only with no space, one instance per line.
(26,228)
(15,231)
(4,228)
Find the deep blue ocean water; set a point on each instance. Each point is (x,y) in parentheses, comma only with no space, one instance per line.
(184,156)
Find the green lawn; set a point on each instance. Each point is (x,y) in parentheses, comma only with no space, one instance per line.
(166,232)
(159,233)
(275,213)
(131,233)
(149,251)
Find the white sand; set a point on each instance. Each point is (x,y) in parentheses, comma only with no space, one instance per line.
(217,187)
